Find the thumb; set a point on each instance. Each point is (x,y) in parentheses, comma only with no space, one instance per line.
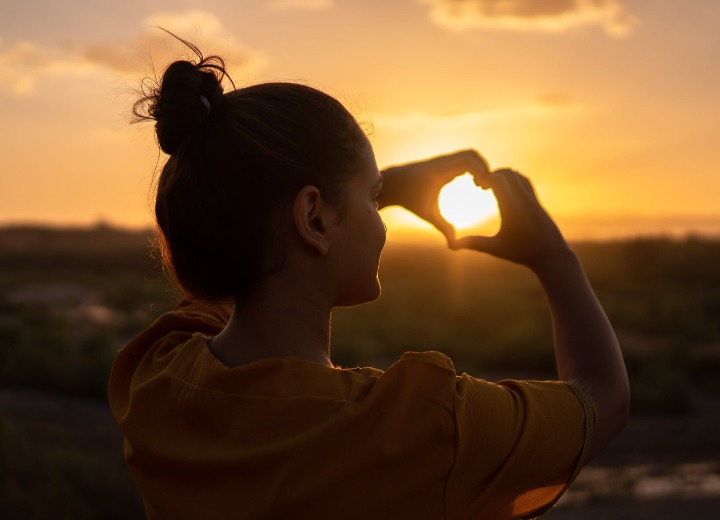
(476,243)
(445,227)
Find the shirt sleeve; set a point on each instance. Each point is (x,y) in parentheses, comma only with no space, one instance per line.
(519,445)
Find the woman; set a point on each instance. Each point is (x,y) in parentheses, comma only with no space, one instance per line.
(269,202)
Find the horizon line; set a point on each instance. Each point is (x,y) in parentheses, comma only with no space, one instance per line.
(576,228)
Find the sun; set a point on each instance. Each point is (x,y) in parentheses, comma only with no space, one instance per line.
(465,205)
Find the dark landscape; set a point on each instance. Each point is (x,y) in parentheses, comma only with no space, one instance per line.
(69,298)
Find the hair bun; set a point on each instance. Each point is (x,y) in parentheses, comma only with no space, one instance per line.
(181,103)
(179,108)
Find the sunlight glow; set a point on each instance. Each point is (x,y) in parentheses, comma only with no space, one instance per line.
(465,205)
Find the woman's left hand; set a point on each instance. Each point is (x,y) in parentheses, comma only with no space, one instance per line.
(416,186)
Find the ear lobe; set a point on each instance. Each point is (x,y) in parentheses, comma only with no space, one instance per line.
(310,213)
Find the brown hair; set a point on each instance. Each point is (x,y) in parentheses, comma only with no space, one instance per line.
(237,159)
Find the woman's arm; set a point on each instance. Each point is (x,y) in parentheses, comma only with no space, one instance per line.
(586,349)
(587,352)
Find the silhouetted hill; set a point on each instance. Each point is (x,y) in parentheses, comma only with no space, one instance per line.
(100,237)
(100,249)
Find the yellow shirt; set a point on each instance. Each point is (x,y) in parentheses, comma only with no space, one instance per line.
(289,438)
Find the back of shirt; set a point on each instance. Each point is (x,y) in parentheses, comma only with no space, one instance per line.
(285,437)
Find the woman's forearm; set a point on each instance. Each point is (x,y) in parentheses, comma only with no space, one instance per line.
(587,351)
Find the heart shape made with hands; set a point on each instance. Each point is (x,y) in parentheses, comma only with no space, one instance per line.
(470,209)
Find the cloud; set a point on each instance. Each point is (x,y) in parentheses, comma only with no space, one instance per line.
(25,64)
(201,27)
(531,15)
(297,5)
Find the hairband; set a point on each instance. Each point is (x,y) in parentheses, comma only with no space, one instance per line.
(205,102)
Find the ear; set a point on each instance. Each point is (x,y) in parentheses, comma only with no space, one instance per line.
(311,216)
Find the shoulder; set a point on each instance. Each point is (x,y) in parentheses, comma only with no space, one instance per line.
(418,379)
(187,318)
(164,335)
(422,369)
(429,358)
(196,316)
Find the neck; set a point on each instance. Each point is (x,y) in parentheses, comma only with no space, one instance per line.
(276,323)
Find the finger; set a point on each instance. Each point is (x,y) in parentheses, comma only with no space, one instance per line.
(526,191)
(477,166)
(445,227)
(476,243)
(465,161)
(476,163)
(515,179)
(527,184)
(508,172)
(521,191)
(502,186)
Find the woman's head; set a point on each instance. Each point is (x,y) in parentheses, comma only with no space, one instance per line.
(237,159)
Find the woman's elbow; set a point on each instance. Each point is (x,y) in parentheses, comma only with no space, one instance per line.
(613,414)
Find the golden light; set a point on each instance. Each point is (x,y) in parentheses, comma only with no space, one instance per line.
(465,205)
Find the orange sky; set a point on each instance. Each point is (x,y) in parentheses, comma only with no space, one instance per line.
(611,106)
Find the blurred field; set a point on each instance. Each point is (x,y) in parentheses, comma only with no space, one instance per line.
(69,298)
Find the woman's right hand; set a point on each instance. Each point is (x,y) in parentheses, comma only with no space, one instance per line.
(527,235)
(587,352)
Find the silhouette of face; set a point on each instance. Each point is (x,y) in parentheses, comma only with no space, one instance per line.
(359,236)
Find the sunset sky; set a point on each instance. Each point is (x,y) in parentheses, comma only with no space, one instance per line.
(612,107)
